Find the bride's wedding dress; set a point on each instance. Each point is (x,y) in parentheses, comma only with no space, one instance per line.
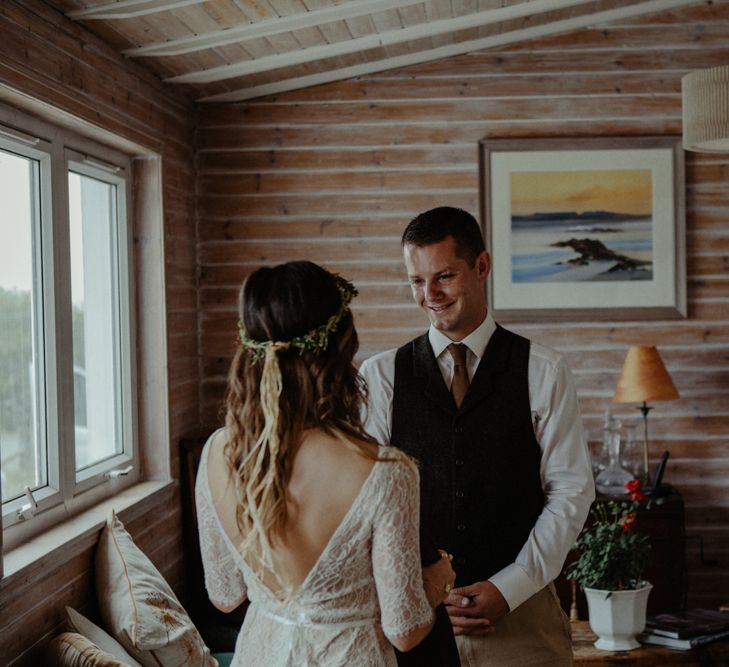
(367,582)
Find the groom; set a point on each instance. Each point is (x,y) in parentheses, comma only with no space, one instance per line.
(493,421)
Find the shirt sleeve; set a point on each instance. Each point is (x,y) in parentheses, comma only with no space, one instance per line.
(566,475)
(396,553)
(223,577)
(378,373)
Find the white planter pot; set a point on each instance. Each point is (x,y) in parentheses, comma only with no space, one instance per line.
(616,617)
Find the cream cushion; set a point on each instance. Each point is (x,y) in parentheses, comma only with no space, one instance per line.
(82,625)
(139,608)
(71,649)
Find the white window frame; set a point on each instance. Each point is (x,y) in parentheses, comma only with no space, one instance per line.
(68,493)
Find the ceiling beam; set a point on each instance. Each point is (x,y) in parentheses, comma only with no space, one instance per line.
(388,38)
(448,51)
(127,9)
(266,27)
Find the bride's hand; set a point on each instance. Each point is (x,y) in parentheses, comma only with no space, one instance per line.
(438,579)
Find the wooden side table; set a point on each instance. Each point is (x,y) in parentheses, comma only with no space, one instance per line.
(715,654)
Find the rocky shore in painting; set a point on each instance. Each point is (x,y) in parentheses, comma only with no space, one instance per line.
(592,250)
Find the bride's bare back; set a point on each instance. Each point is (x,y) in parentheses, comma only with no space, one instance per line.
(326,478)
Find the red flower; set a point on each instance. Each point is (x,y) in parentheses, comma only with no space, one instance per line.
(634,485)
(635,490)
(627,522)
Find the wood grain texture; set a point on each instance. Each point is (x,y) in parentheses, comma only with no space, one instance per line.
(333,173)
(47,58)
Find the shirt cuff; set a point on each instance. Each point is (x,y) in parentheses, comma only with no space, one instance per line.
(514,584)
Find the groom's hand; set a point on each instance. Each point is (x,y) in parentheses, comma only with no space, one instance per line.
(472,609)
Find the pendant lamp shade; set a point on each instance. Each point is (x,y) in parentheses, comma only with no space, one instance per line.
(644,378)
(705,96)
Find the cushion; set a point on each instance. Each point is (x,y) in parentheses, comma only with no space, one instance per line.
(102,639)
(139,608)
(71,649)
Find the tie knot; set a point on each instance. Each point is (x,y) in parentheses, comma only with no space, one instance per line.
(458,352)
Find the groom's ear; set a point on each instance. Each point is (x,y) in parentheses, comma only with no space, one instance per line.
(483,265)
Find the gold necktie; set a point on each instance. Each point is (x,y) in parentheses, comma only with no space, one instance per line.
(459,385)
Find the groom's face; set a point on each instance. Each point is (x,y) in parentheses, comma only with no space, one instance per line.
(446,287)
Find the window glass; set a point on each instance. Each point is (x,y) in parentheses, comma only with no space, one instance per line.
(22,441)
(94,289)
(67,358)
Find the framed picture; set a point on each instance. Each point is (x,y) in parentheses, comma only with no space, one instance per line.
(584,229)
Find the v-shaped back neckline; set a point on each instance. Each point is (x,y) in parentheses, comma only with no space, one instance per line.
(339,529)
(327,547)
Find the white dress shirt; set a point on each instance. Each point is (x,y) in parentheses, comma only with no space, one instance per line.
(565,467)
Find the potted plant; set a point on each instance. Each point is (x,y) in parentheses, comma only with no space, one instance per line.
(612,555)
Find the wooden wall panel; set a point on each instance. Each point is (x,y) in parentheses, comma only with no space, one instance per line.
(48,58)
(333,173)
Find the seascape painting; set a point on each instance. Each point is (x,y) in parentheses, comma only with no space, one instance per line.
(584,228)
(581,226)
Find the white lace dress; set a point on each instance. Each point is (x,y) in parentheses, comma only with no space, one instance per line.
(366,583)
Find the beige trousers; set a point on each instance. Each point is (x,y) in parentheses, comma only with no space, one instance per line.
(535,633)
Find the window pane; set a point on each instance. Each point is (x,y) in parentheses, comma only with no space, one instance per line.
(22,448)
(92,209)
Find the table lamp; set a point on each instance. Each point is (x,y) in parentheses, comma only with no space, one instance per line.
(644,378)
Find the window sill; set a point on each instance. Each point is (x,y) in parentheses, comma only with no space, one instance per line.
(75,535)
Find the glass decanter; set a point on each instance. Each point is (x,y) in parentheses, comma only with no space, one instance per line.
(631,450)
(612,480)
(599,448)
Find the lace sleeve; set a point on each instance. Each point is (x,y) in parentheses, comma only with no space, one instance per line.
(223,577)
(396,553)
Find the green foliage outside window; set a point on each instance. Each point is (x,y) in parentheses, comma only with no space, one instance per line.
(17,438)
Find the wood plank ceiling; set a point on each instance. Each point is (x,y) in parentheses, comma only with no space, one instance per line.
(232,50)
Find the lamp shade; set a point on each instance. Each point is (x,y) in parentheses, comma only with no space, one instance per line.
(705,96)
(644,378)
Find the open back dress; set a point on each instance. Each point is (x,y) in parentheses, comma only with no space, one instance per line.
(366,584)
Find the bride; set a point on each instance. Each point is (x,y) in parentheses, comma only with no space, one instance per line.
(299,511)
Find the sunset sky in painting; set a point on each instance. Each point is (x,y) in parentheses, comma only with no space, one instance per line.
(620,191)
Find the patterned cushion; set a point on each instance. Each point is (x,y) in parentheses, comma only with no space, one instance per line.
(100,638)
(70,649)
(139,608)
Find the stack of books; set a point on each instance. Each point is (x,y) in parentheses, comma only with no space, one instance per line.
(686,629)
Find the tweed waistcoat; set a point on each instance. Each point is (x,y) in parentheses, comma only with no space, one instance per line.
(481,490)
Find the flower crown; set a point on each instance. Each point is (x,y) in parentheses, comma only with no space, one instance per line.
(315,340)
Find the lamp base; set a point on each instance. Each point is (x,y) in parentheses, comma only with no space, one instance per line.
(645,409)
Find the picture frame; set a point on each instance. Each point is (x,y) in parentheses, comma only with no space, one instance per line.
(584,228)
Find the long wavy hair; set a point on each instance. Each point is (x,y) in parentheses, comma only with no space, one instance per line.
(320,389)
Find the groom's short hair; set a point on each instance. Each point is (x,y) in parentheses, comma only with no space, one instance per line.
(438,223)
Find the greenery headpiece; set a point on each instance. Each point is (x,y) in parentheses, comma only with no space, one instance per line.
(315,340)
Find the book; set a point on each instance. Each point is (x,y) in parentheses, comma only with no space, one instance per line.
(689,623)
(682,644)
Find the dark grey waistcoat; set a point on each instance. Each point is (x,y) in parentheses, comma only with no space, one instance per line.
(481,491)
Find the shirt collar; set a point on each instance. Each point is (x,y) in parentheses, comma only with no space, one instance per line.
(476,341)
